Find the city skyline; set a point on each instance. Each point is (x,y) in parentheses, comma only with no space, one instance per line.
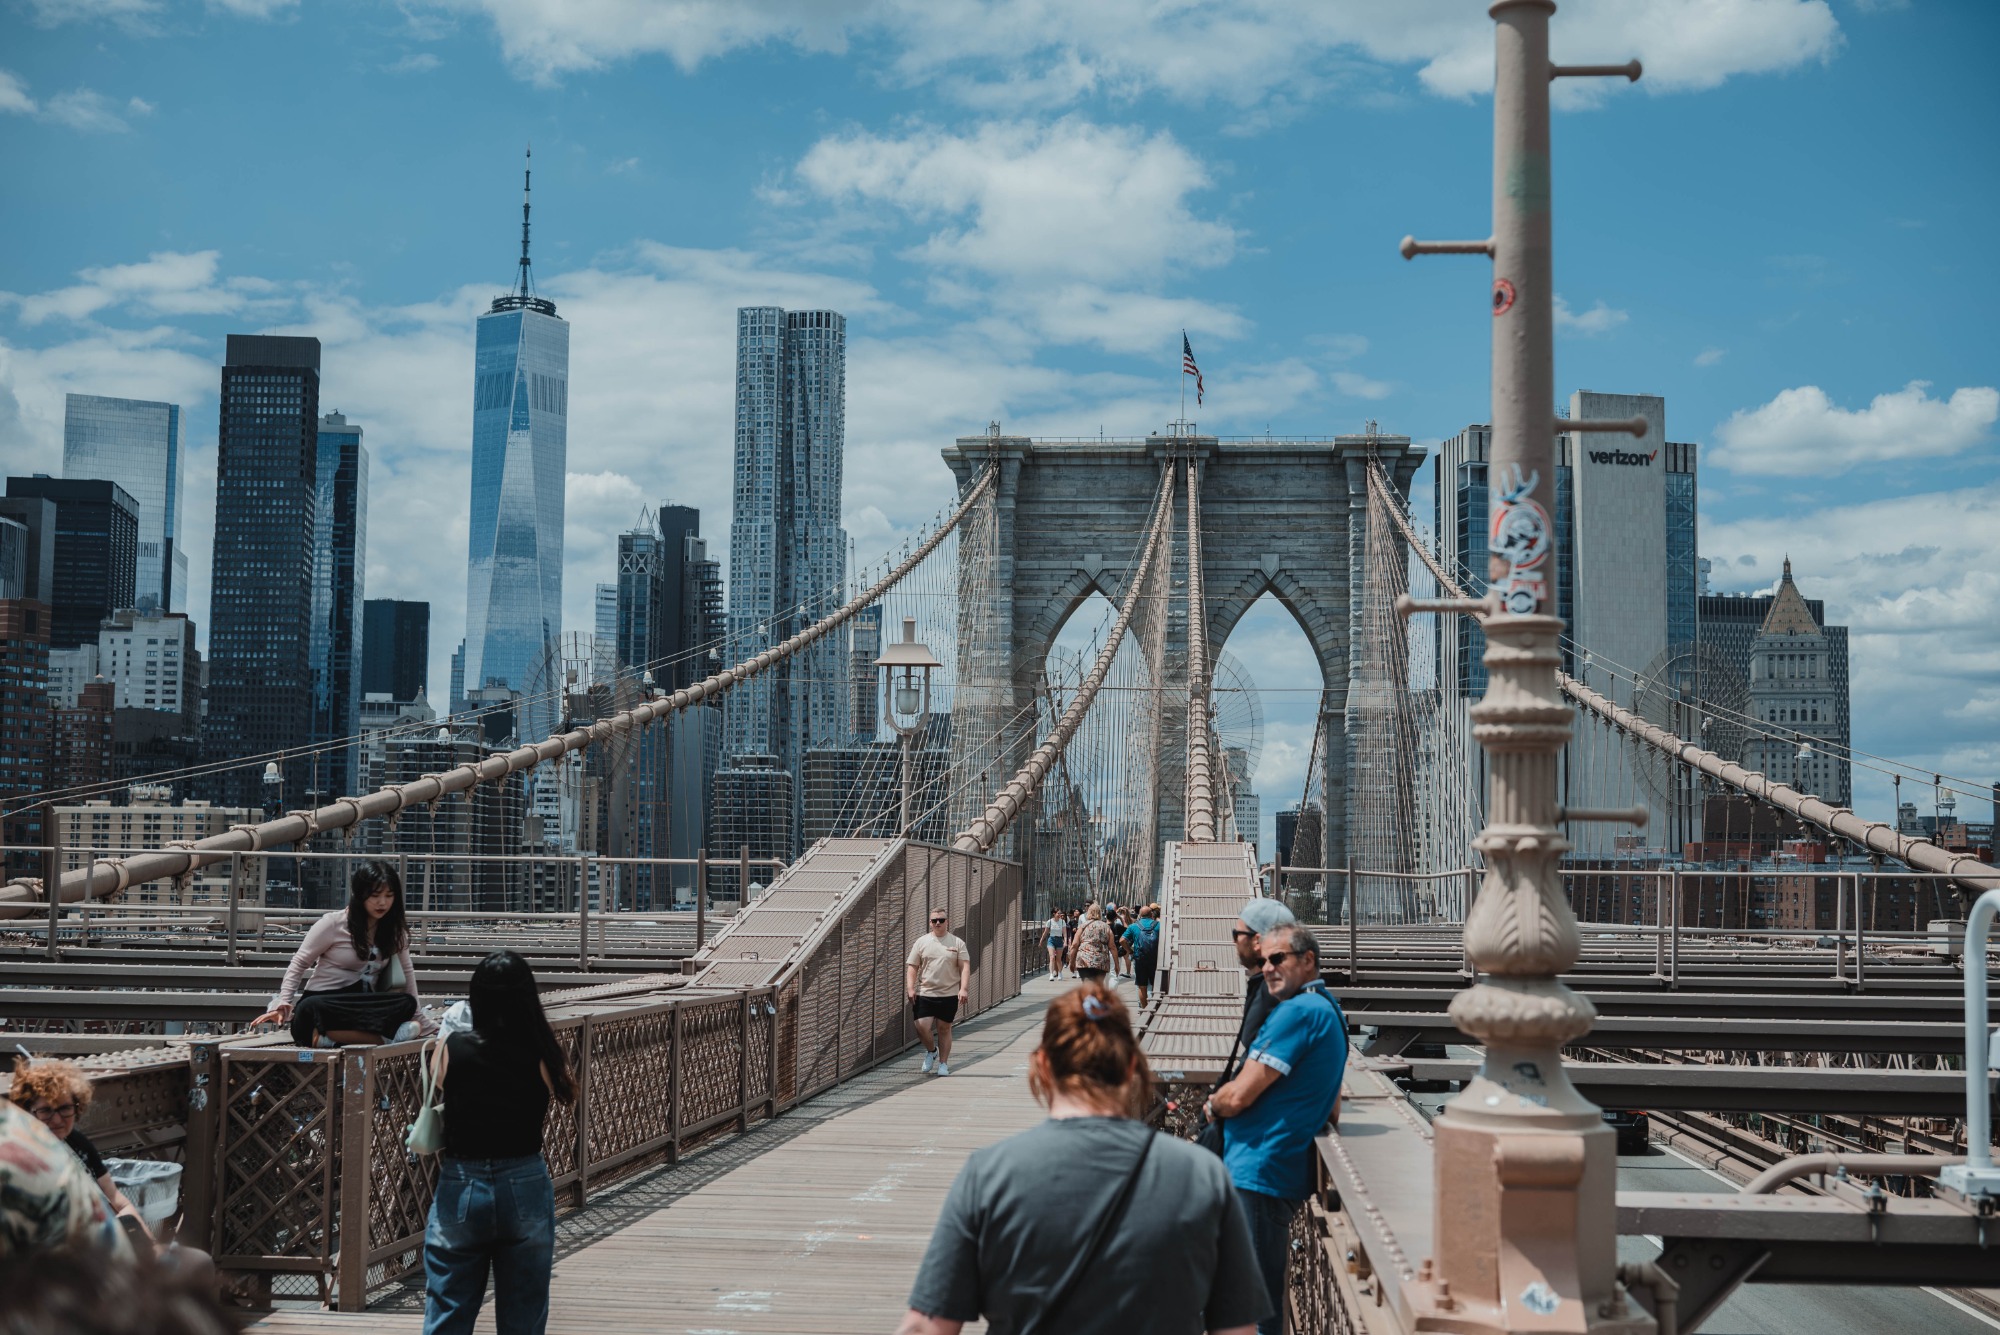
(876,182)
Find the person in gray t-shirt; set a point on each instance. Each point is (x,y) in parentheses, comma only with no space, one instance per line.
(1020,1217)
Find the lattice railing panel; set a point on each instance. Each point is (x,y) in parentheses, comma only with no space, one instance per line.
(711,1038)
(280,1149)
(559,1132)
(400,1184)
(1318,1303)
(763,1019)
(631,1070)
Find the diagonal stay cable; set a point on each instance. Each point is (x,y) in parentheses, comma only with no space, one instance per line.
(983,833)
(1873,835)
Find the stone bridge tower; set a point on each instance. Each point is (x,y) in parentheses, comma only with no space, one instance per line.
(1283,516)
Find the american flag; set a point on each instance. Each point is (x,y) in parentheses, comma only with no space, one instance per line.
(1187,365)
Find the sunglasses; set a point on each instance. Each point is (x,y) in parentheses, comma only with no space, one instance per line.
(937,919)
(1238,933)
(1278,957)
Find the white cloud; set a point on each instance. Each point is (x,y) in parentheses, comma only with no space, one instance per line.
(1599,319)
(253,9)
(1065,227)
(14,95)
(420,62)
(166,283)
(1803,428)
(131,14)
(1358,386)
(79,109)
(1045,53)
(1710,356)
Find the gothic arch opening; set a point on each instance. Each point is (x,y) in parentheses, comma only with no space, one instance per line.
(1278,656)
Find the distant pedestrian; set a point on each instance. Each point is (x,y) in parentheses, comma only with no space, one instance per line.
(351,980)
(1142,942)
(495,1208)
(938,980)
(1095,947)
(1054,937)
(1120,920)
(1281,1099)
(1149,1221)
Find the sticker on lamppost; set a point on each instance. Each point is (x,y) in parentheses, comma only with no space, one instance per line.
(1518,541)
(1540,1299)
(1503,296)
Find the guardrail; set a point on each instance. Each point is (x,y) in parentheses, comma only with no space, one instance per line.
(295,1165)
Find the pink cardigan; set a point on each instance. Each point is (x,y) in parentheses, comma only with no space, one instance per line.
(328,954)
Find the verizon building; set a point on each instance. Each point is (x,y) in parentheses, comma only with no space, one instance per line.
(1625,577)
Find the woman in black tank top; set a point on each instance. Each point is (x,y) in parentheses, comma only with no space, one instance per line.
(495,1209)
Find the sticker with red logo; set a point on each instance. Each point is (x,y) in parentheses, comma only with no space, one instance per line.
(1503,296)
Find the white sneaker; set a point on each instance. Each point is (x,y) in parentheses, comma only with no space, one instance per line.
(930,1062)
(943,1069)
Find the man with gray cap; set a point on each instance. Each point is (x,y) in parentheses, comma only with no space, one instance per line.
(1258,917)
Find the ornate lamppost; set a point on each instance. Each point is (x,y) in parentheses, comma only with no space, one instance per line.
(906,667)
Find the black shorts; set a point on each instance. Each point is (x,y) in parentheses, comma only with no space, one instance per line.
(1143,966)
(934,1008)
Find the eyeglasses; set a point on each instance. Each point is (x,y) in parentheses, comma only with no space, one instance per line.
(53,1112)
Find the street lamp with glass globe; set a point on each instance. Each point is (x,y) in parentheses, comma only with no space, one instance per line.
(906,667)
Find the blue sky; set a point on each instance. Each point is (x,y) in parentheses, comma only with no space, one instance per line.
(1785,229)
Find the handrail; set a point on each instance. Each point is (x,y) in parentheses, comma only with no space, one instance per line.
(1977,1176)
(113,875)
(1807,1165)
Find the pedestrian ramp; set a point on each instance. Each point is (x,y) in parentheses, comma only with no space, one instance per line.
(1186,1033)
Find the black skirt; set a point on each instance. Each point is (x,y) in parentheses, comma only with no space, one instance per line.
(355,1006)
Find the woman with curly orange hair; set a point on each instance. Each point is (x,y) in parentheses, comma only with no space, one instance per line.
(56,1093)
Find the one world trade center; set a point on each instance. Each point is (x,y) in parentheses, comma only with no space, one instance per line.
(520,412)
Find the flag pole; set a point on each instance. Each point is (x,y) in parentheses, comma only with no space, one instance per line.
(1183,378)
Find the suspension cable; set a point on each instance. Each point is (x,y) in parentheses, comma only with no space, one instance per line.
(1200,791)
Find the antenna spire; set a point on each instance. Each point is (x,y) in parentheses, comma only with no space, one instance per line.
(523,296)
(526,285)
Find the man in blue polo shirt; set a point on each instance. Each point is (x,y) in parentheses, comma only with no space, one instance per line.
(1281,1099)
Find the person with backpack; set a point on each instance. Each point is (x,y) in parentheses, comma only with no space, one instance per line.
(1142,942)
(1153,1219)
(495,1208)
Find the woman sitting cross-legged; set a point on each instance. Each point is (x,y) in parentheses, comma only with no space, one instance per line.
(362,987)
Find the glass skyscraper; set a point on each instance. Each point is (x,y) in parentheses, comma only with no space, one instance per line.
(260,680)
(787,550)
(340,556)
(137,444)
(520,414)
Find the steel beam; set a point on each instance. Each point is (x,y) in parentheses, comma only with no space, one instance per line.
(1397,1031)
(1760,1089)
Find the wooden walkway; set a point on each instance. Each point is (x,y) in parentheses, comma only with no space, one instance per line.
(819,1235)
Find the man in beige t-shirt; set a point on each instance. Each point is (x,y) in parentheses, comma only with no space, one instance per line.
(938,980)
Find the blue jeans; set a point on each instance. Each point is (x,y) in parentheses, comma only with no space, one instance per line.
(1271,1239)
(495,1215)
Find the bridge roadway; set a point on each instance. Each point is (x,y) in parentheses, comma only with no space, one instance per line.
(810,1224)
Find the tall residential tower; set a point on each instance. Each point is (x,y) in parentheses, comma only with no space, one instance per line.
(520,414)
(340,555)
(787,551)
